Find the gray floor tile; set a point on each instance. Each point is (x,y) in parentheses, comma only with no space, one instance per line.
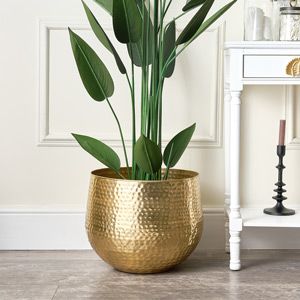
(64,275)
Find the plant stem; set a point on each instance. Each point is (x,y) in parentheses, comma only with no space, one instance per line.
(133,106)
(155,72)
(145,71)
(167,8)
(144,63)
(161,79)
(129,83)
(133,116)
(133,123)
(160,115)
(122,137)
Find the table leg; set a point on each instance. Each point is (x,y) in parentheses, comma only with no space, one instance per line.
(235,220)
(227,100)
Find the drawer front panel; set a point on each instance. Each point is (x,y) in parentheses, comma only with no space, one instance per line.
(267,66)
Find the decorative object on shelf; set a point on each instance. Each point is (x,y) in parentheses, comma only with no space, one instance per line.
(290,23)
(258,20)
(144,226)
(277,5)
(136,203)
(293,67)
(267,20)
(279,209)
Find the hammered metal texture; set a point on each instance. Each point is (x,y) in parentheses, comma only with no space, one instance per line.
(144,226)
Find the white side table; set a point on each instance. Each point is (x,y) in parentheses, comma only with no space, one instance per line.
(249,63)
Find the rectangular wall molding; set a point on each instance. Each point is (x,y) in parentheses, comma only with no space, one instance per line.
(293,141)
(46,137)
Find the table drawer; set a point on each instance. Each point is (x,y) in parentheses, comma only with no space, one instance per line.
(267,66)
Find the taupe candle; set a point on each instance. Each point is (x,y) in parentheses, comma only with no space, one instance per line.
(282,132)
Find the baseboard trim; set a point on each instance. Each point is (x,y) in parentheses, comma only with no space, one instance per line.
(64,230)
(42,231)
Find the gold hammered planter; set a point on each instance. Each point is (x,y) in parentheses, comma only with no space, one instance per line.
(144,226)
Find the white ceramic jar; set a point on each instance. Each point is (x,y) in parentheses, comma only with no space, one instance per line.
(290,24)
(277,4)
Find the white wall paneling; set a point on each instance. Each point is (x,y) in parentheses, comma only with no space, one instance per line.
(44,101)
(54,51)
(45,27)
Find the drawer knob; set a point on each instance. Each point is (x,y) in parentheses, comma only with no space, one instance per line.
(293,67)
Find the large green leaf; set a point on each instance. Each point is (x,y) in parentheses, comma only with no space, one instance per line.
(135,51)
(147,155)
(103,38)
(192,27)
(169,47)
(92,70)
(137,55)
(106,4)
(100,151)
(127,21)
(212,19)
(192,4)
(177,146)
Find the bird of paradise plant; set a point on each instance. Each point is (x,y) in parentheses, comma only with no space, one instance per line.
(153,47)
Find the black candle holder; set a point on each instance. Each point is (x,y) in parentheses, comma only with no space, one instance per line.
(279,209)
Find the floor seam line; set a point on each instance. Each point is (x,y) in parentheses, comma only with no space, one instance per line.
(55,292)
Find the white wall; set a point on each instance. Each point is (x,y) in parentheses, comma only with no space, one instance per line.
(45,175)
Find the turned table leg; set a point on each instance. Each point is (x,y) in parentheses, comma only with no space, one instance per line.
(235,220)
(227,100)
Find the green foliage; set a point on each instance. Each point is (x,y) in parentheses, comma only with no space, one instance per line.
(106,4)
(193,4)
(170,49)
(213,19)
(152,46)
(147,154)
(193,26)
(92,70)
(141,52)
(177,146)
(100,151)
(103,38)
(127,21)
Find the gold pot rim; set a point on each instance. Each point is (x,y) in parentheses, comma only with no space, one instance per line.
(185,175)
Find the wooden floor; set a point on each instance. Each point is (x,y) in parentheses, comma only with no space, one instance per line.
(81,275)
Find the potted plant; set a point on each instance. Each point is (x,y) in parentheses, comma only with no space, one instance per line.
(142,218)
